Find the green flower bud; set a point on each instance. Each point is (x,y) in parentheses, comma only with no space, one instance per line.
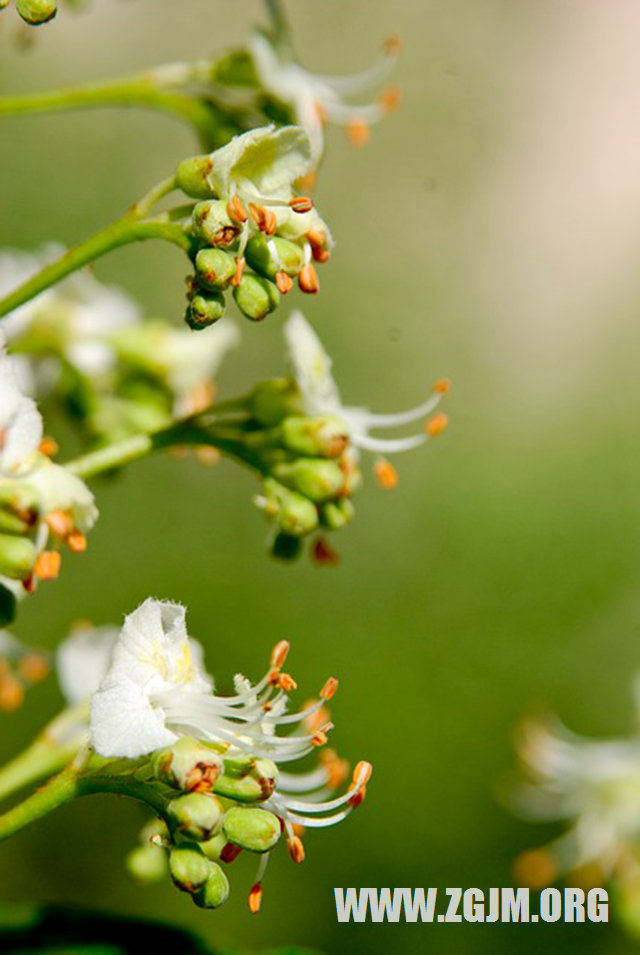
(214,268)
(215,891)
(147,863)
(36,12)
(259,253)
(256,296)
(19,506)
(188,765)
(210,222)
(250,780)
(317,478)
(205,309)
(192,176)
(253,829)
(17,556)
(286,547)
(8,606)
(323,436)
(335,514)
(189,868)
(213,847)
(197,816)
(273,400)
(296,515)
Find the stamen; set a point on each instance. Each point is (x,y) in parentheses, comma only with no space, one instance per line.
(255,898)
(323,553)
(442,386)
(11,690)
(308,280)
(390,99)
(240,267)
(436,425)
(236,211)
(296,849)
(284,282)
(392,44)
(60,522)
(337,769)
(77,542)
(387,445)
(279,653)
(301,204)
(230,853)
(329,689)
(320,736)
(48,446)
(33,667)
(47,565)
(385,474)
(286,682)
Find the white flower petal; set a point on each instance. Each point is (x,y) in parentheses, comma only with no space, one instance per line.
(311,367)
(124,723)
(60,490)
(83,660)
(263,161)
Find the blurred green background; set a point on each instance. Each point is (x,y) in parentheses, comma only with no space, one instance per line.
(490,232)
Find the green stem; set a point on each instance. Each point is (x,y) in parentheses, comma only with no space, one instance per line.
(145,91)
(130,228)
(36,762)
(70,785)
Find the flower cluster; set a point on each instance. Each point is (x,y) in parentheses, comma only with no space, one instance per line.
(309,444)
(42,505)
(251,231)
(594,787)
(115,373)
(220,763)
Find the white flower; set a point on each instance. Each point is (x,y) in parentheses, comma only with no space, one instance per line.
(185,362)
(316,99)
(83,660)
(320,395)
(594,785)
(66,506)
(78,315)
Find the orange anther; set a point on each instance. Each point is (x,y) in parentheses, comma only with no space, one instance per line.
(270,223)
(256,213)
(392,44)
(358,132)
(308,280)
(337,769)
(390,99)
(320,255)
(60,522)
(11,693)
(298,829)
(48,446)
(77,542)
(320,736)
(301,204)
(230,853)
(296,849)
(323,553)
(436,425)
(47,565)
(442,386)
(255,898)
(33,667)
(279,653)
(314,721)
(240,266)
(284,282)
(316,237)
(286,682)
(358,797)
(385,474)
(535,868)
(236,211)
(329,689)
(362,772)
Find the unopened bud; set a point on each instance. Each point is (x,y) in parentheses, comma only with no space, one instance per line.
(270,255)
(192,176)
(256,296)
(36,12)
(286,547)
(317,478)
(17,556)
(214,846)
(215,891)
(8,606)
(336,514)
(214,268)
(211,223)
(294,513)
(197,816)
(273,400)
(253,829)
(322,436)
(254,782)
(147,863)
(187,765)
(205,309)
(19,506)
(189,868)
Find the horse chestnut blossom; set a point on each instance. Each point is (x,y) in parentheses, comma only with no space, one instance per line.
(249,214)
(42,504)
(592,786)
(316,100)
